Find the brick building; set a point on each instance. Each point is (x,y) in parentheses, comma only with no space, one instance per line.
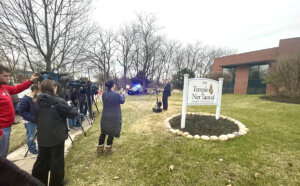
(249,69)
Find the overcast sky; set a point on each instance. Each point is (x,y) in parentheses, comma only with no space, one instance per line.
(245,25)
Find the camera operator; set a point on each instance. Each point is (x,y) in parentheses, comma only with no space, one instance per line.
(52,132)
(74,122)
(83,107)
(94,93)
(7,112)
(111,120)
(92,90)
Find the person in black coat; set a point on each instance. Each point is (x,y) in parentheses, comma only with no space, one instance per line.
(52,132)
(111,120)
(166,94)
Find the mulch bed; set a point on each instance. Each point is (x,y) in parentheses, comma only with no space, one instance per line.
(283,99)
(204,125)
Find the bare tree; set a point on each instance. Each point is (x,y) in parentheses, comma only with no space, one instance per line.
(100,52)
(146,48)
(172,47)
(126,39)
(209,55)
(9,55)
(50,32)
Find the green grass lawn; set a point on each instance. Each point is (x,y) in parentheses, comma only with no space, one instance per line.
(146,149)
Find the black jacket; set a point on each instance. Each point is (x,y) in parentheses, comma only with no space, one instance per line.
(111,120)
(51,115)
(167,90)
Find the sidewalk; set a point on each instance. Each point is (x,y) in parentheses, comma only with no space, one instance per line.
(26,163)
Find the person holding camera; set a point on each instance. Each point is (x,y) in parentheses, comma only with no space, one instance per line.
(26,109)
(7,112)
(74,122)
(111,120)
(52,132)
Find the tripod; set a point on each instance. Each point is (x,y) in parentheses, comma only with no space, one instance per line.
(93,100)
(158,104)
(81,116)
(89,105)
(35,135)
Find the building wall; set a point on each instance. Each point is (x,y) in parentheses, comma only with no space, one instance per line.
(260,55)
(286,47)
(241,80)
(289,46)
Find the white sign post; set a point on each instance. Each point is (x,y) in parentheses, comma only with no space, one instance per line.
(201,91)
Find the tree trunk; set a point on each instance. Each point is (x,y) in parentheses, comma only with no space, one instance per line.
(48,65)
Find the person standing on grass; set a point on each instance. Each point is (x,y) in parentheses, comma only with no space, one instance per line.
(7,112)
(26,109)
(111,120)
(166,94)
(52,131)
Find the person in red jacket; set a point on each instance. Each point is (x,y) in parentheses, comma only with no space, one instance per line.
(7,112)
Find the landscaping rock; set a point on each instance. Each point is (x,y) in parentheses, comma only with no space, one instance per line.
(197,137)
(214,138)
(185,134)
(180,133)
(242,132)
(189,136)
(206,138)
(223,137)
(230,136)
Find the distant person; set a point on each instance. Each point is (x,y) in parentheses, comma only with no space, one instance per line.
(52,131)
(166,94)
(111,120)
(26,109)
(7,112)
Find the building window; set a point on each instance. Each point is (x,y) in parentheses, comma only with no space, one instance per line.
(257,74)
(229,86)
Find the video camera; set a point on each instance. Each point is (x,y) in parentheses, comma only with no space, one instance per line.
(80,92)
(62,80)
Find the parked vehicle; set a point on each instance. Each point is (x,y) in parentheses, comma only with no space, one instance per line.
(136,89)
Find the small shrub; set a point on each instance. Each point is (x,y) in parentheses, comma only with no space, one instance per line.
(284,75)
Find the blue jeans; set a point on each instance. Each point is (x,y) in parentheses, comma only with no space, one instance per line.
(30,132)
(74,122)
(4,142)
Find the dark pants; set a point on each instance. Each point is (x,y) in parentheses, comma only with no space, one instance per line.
(102,137)
(165,102)
(50,159)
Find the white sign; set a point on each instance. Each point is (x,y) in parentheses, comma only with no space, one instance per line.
(201,91)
